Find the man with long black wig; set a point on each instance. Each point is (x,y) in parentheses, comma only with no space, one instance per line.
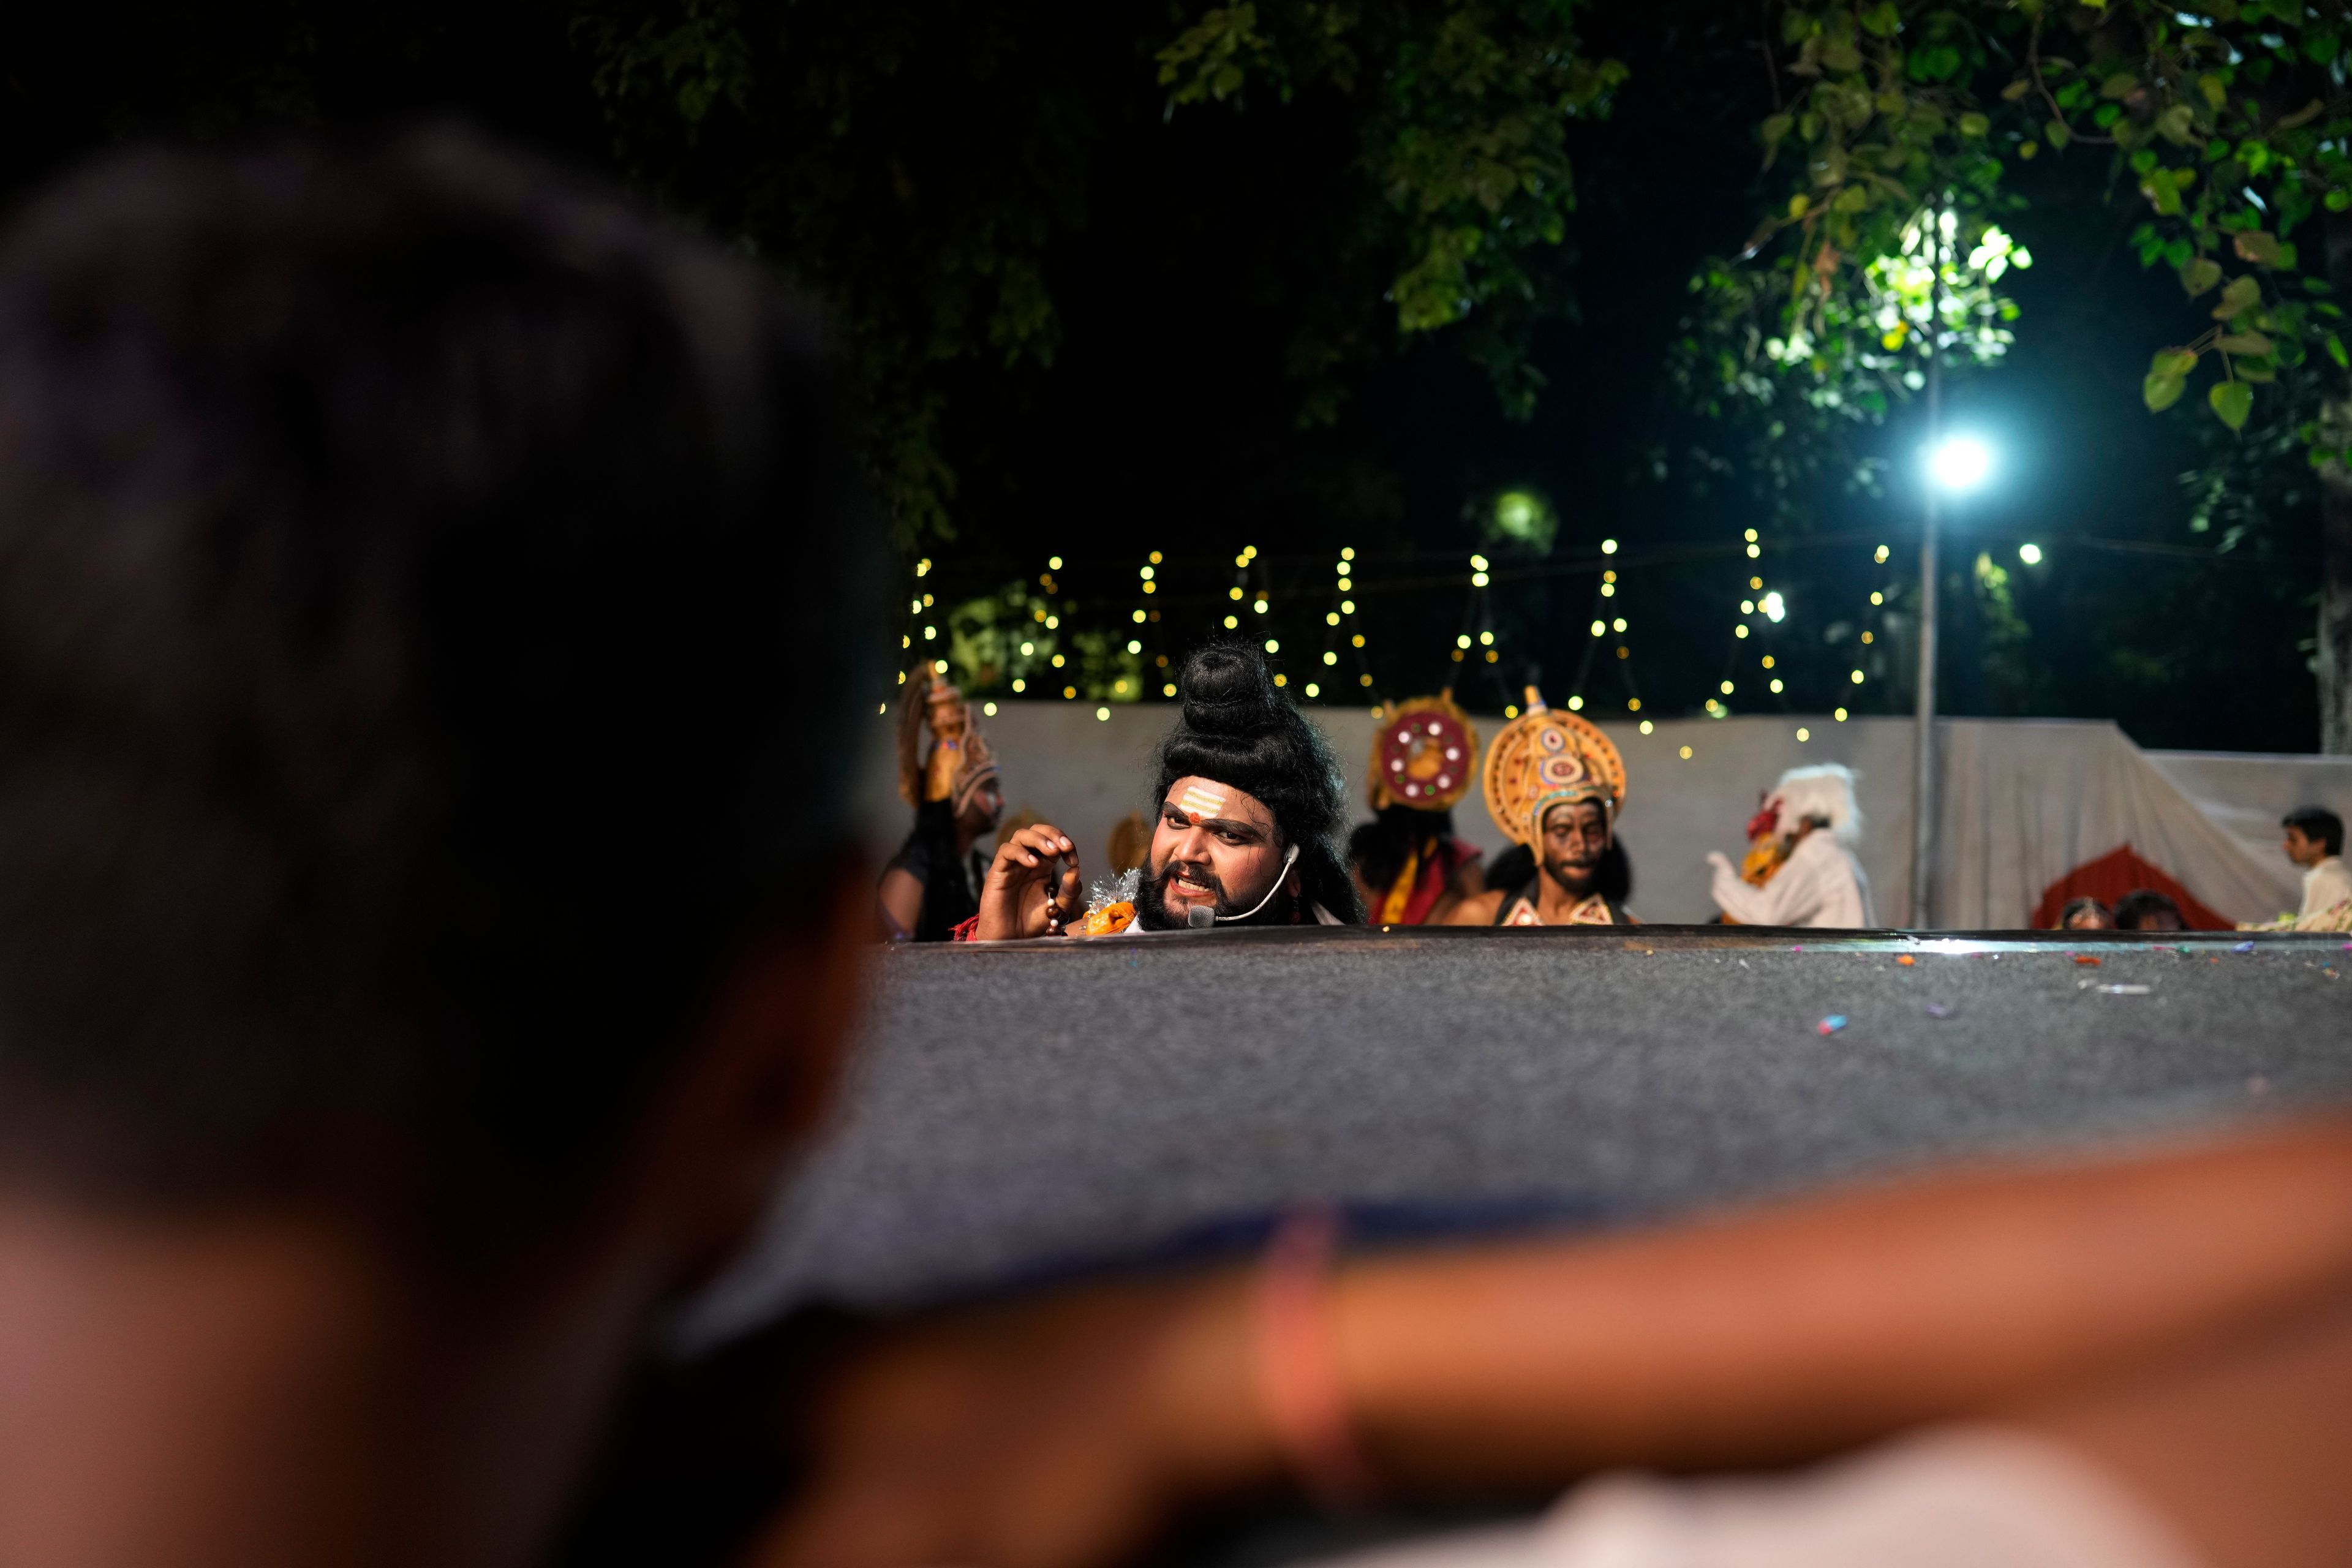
(1248,802)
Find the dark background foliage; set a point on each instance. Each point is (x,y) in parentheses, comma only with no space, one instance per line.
(1092,321)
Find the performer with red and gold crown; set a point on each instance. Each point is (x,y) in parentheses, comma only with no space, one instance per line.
(932,884)
(1406,862)
(1556,784)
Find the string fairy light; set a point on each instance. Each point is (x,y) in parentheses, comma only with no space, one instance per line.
(1603,629)
(1336,621)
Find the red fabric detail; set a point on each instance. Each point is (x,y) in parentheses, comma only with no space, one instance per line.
(1436,876)
(962,932)
(2110,877)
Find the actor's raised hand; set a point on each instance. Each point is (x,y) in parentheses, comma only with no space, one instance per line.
(1062,1433)
(1021,885)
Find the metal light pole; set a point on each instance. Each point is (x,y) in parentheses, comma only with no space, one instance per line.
(1923,766)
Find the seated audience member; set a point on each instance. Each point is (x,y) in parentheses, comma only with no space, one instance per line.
(427,865)
(1249,802)
(2144,909)
(1802,870)
(2086,914)
(2314,841)
(1409,866)
(1554,785)
(932,884)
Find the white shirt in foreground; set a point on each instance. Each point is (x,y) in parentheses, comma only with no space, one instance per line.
(1819,884)
(2325,886)
(1953,1497)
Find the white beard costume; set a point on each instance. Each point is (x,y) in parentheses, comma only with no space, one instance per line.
(1820,883)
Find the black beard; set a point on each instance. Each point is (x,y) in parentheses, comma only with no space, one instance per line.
(1577,881)
(1151,910)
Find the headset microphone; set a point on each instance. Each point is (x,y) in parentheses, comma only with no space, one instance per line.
(1200,917)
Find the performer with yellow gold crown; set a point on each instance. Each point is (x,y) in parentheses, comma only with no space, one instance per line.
(933,882)
(1406,862)
(1556,784)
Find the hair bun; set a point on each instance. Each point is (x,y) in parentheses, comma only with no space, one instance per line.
(1229,691)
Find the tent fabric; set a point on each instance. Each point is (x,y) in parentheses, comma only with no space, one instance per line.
(2113,876)
(2023,802)
(2027,801)
(2245,793)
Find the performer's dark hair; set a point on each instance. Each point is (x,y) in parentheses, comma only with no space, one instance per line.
(1512,870)
(2076,905)
(1240,729)
(434,606)
(1378,849)
(1613,877)
(2317,823)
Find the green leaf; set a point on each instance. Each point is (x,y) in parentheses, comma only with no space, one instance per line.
(2163,195)
(1841,55)
(2173,363)
(2232,401)
(2057,133)
(2242,294)
(2016,90)
(2211,86)
(2123,84)
(1881,21)
(2258,247)
(2244,343)
(2254,370)
(2336,351)
(2199,275)
(2176,124)
(1936,64)
(1974,125)
(1774,127)
(2160,391)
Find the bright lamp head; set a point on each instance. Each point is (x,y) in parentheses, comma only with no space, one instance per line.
(1960,462)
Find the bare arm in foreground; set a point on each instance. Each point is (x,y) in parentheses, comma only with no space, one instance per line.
(1063,1431)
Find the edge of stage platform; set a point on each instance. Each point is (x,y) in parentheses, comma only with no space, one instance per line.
(1682,938)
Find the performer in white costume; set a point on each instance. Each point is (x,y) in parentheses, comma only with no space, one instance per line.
(1802,871)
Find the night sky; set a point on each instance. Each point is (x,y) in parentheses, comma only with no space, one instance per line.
(1168,419)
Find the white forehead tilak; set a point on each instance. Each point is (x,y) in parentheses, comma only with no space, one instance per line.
(1200,801)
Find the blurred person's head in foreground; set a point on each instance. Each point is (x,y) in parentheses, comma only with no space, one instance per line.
(2311,834)
(421,834)
(2144,909)
(2085,913)
(1250,805)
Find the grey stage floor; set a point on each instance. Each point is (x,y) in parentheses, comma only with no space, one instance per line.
(1031,1109)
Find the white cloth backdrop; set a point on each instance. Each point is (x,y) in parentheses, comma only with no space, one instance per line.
(2024,801)
(2245,793)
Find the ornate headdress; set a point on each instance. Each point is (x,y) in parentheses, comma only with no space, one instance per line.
(1424,754)
(1542,758)
(959,762)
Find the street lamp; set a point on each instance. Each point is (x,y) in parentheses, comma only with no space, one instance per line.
(1960,462)
(1954,464)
